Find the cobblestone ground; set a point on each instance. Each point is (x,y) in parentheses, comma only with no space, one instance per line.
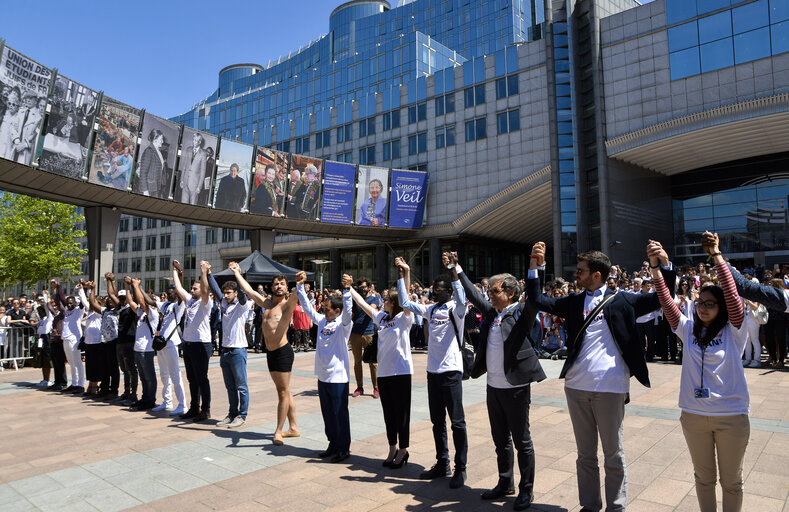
(64,453)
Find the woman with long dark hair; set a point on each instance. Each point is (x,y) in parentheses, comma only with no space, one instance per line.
(713,392)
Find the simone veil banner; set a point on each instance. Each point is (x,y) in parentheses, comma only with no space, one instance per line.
(407,199)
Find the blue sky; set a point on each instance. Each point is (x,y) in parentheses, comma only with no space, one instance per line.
(162,55)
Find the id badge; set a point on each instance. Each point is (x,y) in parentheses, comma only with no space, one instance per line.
(40,343)
(702,392)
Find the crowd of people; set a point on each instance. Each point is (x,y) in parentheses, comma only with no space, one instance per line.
(606,324)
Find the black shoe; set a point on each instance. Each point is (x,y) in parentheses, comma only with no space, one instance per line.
(523,501)
(439,469)
(57,387)
(398,465)
(144,406)
(191,413)
(340,456)
(204,415)
(68,389)
(328,452)
(499,491)
(458,479)
(77,390)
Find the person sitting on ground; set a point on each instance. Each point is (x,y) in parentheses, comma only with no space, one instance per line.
(553,345)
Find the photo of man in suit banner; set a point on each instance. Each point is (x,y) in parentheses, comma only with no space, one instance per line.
(195,167)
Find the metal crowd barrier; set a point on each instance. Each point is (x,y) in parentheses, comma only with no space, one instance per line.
(19,343)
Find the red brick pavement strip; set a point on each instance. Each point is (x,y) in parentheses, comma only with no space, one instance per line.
(45,433)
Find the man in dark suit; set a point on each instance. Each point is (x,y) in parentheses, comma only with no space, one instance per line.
(506,353)
(600,362)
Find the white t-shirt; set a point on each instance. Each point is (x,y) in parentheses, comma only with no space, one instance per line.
(443,350)
(3,330)
(331,348)
(171,316)
(599,365)
(72,323)
(143,341)
(494,353)
(198,321)
(394,344)
(723,373)
(649,317)
(234,320)
(93,328)
(45,324)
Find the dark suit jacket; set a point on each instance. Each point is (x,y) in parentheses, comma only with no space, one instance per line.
(620,315)
(769,297)
(521,363)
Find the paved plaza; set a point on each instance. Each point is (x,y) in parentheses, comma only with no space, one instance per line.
(63,453)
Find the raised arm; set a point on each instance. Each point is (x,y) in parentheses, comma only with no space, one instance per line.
(306,305)
(458,293)
(58,295)
(403,284)
(472,293)
(245,287)
(655,252)
(179,287)
(205,267)
(359,300)
(769,297)
(131,300)
(112,290)
(215,289)
(710,243)
(140,296)
(347,302)
(555,306)
(94,303)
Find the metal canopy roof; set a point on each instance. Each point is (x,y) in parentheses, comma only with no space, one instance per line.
(732,132)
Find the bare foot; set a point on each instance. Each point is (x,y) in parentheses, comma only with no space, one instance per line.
(291,432)
(278,441)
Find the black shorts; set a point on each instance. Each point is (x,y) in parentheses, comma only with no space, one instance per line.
(280,360)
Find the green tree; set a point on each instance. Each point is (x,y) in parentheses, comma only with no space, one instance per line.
(39,239)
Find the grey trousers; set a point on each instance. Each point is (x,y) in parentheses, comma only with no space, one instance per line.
(594,413)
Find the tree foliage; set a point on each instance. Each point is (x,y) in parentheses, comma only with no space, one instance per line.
(39,239)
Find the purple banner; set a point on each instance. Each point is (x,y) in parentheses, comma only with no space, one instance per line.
(407,199)
(339,184)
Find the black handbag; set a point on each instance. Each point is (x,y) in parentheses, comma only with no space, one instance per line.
(370,353)
(159,341)
(82,345)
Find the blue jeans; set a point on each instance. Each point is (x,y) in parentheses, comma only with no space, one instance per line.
(334,408)
(233,362)
(196,356)
(144,362)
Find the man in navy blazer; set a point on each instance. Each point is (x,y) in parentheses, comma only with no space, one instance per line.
(600,362)
(506,353)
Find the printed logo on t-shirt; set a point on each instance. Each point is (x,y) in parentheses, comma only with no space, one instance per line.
(328,331)
(715,341)
(386,325)
(439,321)
(598,318)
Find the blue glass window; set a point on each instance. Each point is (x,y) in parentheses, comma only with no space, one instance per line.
(501,63)
(779,10)
(512,59)
(501,88)
(515,120)
(715,27)
(752,45)
(717,55)
(750,16)
(680,10)
(780,37)
(685,63)
(705,6)
(468,73)
(683,36)
(479,70)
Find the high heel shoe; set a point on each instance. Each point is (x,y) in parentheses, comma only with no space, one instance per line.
(388,462)
(398,465)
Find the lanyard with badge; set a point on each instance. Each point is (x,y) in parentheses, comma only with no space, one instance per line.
(701,391)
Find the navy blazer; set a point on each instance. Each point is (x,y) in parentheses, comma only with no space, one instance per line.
(769,297)
(521,363)
(620,314)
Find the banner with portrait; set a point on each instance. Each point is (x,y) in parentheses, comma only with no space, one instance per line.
(113,148)
(407,199)
(24,86)
(195,167)
(339,186)
(304,188)
(372,189)
(268,195)
(233,174)
(68,128)
(153,174)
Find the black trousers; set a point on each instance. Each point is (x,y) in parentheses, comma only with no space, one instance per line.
(445,396)
(112,374)
(196,356)
(333,398)
(58,361)
(396,403)
(648,330)
(125,356)
(508,412)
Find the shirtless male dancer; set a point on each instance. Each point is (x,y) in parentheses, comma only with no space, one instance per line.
(277,314)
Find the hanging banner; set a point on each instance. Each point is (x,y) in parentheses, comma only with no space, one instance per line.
(407,199)
(113,149)
(65,144)
(304,188)
(195,167)
(269,188)
(24,85)
(233,172)
(156,158)
(339,185)
(372,189)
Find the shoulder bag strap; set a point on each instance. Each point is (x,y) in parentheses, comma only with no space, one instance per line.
(592,315)
(149,325)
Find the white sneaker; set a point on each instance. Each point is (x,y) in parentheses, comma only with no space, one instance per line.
(237,422)
(754,364)
(225,422)
(178,410)
(162,406)
(43,384)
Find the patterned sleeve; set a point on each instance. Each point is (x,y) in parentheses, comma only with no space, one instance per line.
(733,302)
